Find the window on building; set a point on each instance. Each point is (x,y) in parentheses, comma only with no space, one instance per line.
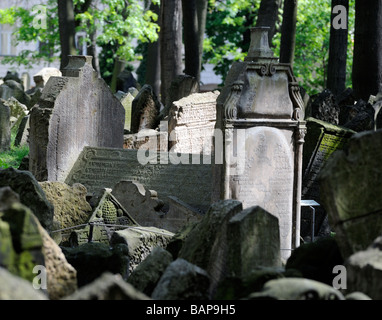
(7,42)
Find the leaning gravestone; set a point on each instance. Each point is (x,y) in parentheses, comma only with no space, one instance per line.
(182,86)
(321,140)
(98,168)
(350,185)
(145,110)
(31,194)
(261,114)
(75,110)
(5,127)
(192,122)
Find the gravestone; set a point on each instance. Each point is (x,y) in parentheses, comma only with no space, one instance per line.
(98,168)
(260,111)
(192,122)
(41,78)
(182,86)
(253,241)
(12,88)
(5,127)
(142,204)
(350,187)
(75,110)
(145,110)
(22,132)
(321,140)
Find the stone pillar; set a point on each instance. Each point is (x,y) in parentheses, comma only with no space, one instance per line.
(260,110)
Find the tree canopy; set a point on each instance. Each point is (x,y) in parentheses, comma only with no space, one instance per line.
(121,24)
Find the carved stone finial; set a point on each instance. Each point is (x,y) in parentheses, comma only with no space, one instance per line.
(259,47)
(77,64)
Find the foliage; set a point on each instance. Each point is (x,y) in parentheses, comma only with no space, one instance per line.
(47,39)
(228,20)
(226,23)
(13,157)
(117,23)
(120,23)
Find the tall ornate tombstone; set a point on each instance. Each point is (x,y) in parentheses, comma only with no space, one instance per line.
(260,111)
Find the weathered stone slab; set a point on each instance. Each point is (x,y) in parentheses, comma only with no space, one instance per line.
(141,241)
(12,88)
(267,177)
(192,122)
(31,194)
(321,140)
(350,185)
(91,260)
(22,132)
(182,281)
(75,110)
(70,205)
(147,274)
(147,138)
(98,168)
(182,86)
(206,245)
(142,204)
(61,276)
(5,127)
(253,239)
(145,110)
(42,77)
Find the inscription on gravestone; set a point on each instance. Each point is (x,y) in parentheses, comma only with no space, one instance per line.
(98,168)
(192,122)
(267,179)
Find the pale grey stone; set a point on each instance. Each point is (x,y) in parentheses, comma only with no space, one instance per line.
(74,111)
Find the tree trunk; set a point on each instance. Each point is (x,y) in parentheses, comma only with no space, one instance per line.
(92,47)
(67,30)
(268,15)
(367,59)
(170,44)
(191,39)
(338,50)
(119,66)
(92,51)
(288,31)
(202,6)
(153,72)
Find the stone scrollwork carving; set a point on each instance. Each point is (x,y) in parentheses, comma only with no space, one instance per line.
(295,95)
(263,69)
(230,106)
